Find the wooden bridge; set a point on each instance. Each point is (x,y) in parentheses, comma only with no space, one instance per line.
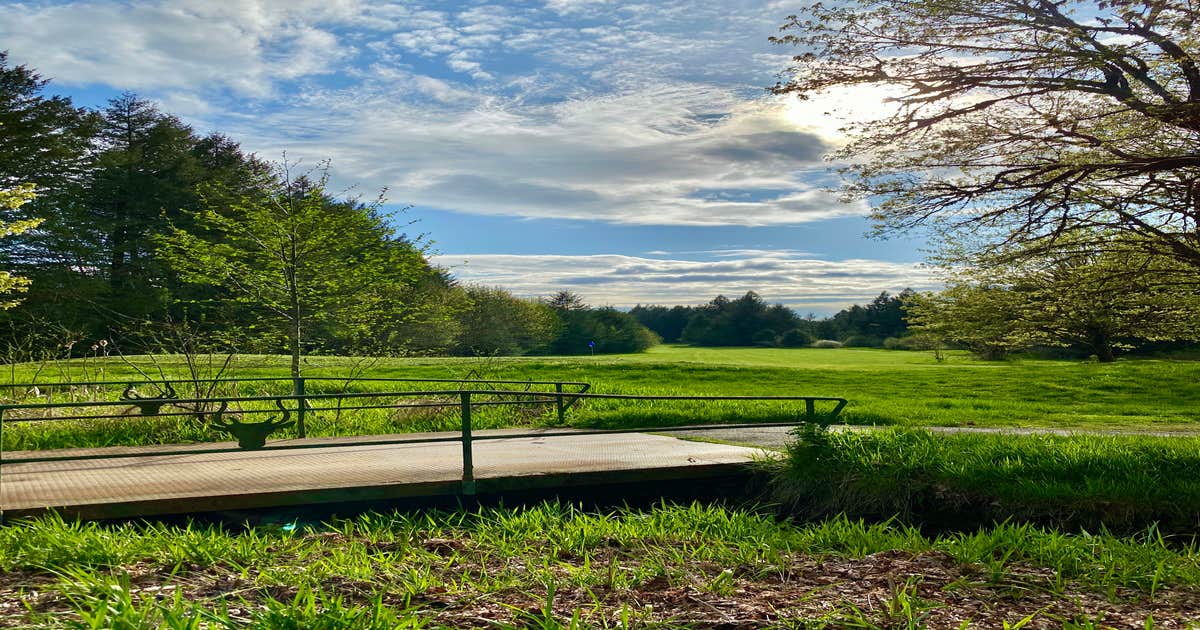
(252,473)
(126,482)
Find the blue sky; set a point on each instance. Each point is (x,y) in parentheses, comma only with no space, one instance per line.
(629,152)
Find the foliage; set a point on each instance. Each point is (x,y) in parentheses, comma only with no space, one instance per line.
(667,322)
(1094,301)
(749,321)
(869,325)
(746,321)
(12,199)
(287,250)
(497,323)
(980,318)
(600,331)
(1028,120)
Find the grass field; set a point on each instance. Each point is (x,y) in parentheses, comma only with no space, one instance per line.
(884,387)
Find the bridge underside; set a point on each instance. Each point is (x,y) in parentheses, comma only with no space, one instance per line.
(345,470)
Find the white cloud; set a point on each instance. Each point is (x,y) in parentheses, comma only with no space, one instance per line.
(243,46)
(794,279)
(651,157)
(628,113)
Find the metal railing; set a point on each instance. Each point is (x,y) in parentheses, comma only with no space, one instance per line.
(300,388)
(466,400)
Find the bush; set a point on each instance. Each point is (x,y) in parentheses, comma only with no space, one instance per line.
(765,339)
(611,331)
(915,341)
(826,343)
(862,341)
(795,338)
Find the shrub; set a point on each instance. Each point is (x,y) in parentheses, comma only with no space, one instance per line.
(915,341)
(862,341)
(795,338)
(765,338)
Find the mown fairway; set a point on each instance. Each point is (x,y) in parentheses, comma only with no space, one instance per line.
(884,387)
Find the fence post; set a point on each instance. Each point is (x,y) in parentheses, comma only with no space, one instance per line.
(302,405)
(810,408)
(468,476)
(558,401)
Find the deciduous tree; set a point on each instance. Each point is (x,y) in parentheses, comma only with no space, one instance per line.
(1031,119)
(289,251)
(12,199)
(1096,302)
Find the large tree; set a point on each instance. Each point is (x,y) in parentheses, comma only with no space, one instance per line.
(46,142)
(1097,303)
(1028,119)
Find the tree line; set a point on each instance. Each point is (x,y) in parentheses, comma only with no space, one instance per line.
(750,321)
(1068,306)
(127,225)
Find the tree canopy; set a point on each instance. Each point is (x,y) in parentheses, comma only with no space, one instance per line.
(12,199)
(288,250)
(1097,302)
(1030,119)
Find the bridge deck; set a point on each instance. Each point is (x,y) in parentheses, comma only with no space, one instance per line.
(344,472)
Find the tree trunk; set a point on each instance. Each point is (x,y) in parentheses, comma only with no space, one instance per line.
(1103,347)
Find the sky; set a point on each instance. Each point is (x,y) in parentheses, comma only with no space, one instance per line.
(629,152)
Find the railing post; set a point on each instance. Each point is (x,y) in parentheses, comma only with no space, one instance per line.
(468,476)
(558,402)
(301,406)
(810,408)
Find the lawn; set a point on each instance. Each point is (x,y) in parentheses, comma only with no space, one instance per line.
(884,387)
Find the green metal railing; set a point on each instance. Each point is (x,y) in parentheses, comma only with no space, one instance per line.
(465,399)
(168,394)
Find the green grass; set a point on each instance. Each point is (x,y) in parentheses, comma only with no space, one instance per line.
(556,566)
(1118,482)
(884,388)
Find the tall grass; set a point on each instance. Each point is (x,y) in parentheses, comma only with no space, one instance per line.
(1120,482)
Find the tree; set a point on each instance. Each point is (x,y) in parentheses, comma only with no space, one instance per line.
(980,317)
(46,142)
(11,199)
(284,248)
(1097,303)
(497,323)
(667,323)
(566,301)
(601,331)
(1030,119)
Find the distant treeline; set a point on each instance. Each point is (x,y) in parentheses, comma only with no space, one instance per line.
(749,321)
